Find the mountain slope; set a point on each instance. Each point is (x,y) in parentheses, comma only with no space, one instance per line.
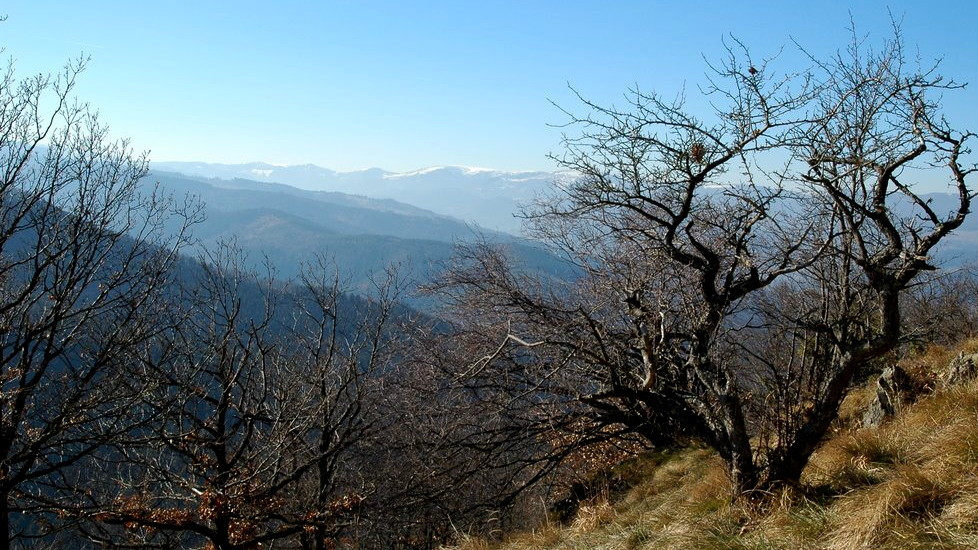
(333,211)
(489,198)
(290,227)
(911,483)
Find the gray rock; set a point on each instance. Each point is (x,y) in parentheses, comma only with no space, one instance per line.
(961,369)
(893,389)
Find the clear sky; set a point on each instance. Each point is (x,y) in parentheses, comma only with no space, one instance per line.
(404,84)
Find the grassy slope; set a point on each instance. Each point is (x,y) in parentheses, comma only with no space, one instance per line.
(910,484)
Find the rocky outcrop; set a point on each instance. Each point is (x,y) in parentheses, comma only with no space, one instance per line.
(894,389)
(961,369)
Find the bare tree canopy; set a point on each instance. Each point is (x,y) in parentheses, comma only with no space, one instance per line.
(263,405)
(740,265)
(85,256)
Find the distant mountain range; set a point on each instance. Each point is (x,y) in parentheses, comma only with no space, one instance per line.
(370,219)
(489,198)
(288,227)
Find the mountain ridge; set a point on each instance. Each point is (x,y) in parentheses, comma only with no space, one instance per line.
(487,197)
(289,227)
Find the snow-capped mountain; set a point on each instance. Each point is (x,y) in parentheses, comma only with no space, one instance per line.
(489,198)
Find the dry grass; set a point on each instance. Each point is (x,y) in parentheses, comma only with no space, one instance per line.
(910,484)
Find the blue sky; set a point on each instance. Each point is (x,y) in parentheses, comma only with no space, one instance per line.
(407,84)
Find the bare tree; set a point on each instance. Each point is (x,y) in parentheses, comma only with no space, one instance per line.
(262,405)
(346,348)
(84,253)
(942,309)
(739,268)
